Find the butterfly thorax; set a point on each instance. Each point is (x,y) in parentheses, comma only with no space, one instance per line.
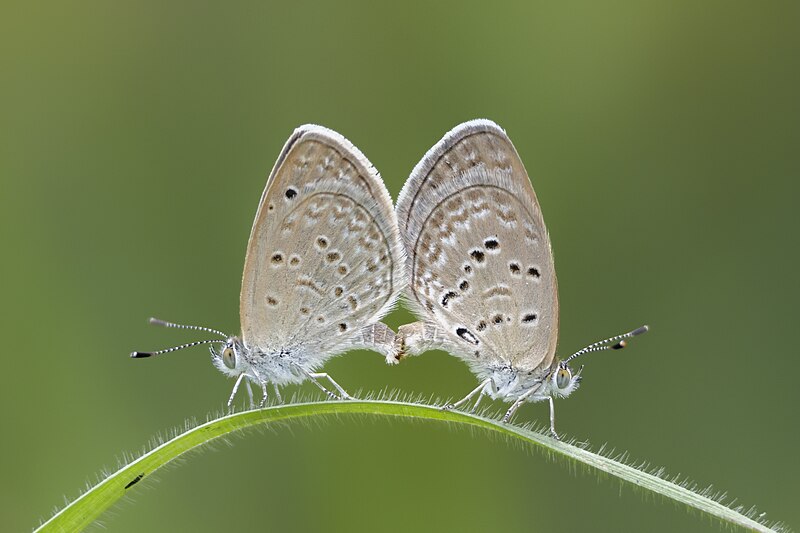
(281,366)
(510,382)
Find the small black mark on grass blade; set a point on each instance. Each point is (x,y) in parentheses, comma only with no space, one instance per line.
(134,481)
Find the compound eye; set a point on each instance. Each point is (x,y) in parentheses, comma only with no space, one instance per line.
(563,378)
(229,358)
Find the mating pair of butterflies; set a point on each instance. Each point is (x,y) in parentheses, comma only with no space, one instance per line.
(328,257)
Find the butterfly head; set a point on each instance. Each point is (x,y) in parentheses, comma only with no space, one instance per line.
(563,381)
(229,358)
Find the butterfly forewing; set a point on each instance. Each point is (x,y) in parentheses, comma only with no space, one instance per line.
(324,257)
(479,257)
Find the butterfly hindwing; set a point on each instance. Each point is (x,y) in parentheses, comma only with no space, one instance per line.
(480,264)
(324,259)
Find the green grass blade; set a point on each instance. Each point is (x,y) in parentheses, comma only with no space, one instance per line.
(90,505)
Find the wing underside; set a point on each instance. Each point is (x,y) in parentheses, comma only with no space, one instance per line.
(324,259)
(479,259)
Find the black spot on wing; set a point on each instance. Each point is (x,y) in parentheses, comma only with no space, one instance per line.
(467,335)
(449,295)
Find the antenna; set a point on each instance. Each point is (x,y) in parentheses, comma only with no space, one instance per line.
(142,355)
(605,344)
(165,324)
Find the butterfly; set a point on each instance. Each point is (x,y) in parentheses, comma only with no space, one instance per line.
(324,264)
(481,272)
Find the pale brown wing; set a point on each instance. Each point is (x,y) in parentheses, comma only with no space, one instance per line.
(324,257)
(479,258)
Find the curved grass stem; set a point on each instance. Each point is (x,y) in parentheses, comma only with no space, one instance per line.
(89,506)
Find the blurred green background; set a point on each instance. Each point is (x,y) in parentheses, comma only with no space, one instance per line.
(662,140)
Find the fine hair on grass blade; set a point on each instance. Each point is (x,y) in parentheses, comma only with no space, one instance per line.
(85,509)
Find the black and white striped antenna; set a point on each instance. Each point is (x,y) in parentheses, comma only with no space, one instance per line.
(164,323)
(599,346)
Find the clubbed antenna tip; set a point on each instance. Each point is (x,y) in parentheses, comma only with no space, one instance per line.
(618,340)
(142,355)
(622,344)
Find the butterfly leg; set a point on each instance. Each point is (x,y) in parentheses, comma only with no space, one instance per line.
(235,389)
(477,403)
(263,401)
(315,376)
(483,393)
(553,419)
(342,393)
(331,395)
(480,389)
(263,384)
(277,393)
(250,393)
(519,401)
